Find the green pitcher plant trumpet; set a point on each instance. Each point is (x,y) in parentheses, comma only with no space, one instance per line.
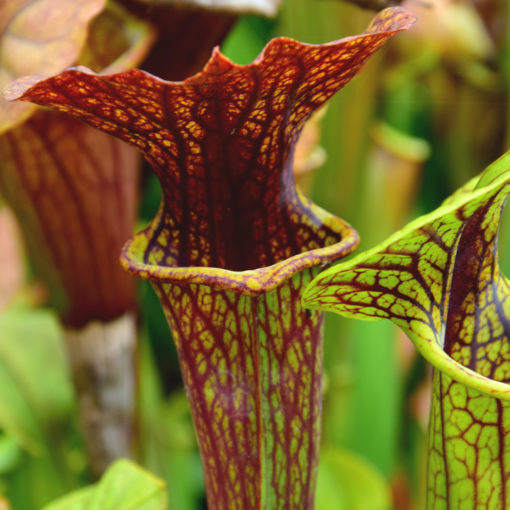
(439,280)
(233,245)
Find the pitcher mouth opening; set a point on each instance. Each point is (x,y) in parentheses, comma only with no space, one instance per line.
(445,364)
(427,336)
(252,281)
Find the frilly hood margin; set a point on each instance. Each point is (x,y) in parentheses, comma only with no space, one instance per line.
(229,133)
(439,280)
(233,245)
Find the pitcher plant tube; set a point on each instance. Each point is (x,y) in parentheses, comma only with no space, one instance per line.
(74,192)
(439,280)
(233,245)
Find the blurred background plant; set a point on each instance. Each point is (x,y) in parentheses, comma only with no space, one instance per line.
(426,114)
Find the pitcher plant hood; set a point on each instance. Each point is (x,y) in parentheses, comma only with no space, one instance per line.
(221,143)
(439,280)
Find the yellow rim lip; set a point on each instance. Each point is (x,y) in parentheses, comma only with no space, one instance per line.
(251,282)
(435,355)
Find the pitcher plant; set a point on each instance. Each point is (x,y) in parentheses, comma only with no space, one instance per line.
(439,280)
(233,245)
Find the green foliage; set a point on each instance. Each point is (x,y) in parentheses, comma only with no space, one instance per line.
(347,482)
(36,405)
(124,486)
(31,407)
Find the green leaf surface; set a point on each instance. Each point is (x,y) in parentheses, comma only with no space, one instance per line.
(375,396)
(35,389)
(10,454)
(124,486)
(348,482)
(247,39)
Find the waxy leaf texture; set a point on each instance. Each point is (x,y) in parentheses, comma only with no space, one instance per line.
(233,245)
(439,280)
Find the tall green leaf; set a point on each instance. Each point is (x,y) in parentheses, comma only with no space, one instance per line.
(35,390)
